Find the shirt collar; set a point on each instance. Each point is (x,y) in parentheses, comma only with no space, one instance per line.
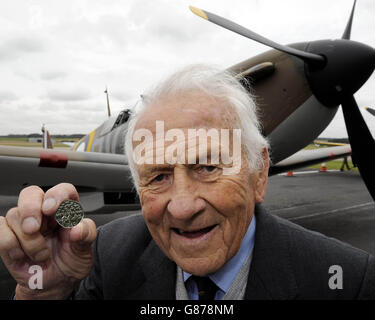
(224,277)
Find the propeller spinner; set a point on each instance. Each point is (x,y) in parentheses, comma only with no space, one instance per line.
(335,70)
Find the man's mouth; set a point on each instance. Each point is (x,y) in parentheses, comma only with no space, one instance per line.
(194,233)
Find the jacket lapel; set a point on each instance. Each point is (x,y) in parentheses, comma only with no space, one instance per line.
(271,275)
(158,276)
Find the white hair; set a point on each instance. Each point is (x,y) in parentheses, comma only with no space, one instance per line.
(216,83)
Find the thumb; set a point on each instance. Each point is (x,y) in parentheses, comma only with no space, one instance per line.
(83,235)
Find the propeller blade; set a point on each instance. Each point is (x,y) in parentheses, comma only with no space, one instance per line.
(370,110)
(309,58)
(361,141)
(348,29)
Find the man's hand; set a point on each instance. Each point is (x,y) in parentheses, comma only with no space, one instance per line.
(29,235)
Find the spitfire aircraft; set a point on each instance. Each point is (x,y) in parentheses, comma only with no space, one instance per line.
(298,88)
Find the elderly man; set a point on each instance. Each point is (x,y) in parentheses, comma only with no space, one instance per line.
(203,233)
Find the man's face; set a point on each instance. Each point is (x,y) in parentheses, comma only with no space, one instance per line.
(196,214)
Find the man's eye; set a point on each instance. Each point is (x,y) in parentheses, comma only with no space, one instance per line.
(159,178)
(207,169)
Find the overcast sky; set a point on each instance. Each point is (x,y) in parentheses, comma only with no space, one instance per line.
(57,57)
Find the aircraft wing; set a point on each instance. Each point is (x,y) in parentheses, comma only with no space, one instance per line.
(105,172)
(306,158)
(88,171)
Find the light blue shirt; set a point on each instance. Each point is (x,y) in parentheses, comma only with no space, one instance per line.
(224,277)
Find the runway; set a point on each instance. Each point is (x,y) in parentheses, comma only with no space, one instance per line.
(336,204)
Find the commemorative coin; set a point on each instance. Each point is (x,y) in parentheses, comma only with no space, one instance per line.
(69,214)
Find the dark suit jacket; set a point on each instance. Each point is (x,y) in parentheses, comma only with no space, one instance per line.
(289,262)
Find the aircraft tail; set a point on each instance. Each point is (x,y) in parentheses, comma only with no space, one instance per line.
(47,142)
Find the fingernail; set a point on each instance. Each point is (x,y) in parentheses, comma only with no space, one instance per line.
(41,256)
(16,254)
(30,225)
(48,204)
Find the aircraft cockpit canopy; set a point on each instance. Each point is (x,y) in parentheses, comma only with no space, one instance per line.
(122,118)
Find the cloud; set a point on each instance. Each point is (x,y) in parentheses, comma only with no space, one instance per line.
(52,75)
(169,23)
(58,56)
(119,94)
(16,47)
(100,35)
(66,95)
(26,44)
(7,96)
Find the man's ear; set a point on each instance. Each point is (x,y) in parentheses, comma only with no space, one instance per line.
(260,187)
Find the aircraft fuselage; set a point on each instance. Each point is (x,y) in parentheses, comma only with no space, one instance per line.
(291,116)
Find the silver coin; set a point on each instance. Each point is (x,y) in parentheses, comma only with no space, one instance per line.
(69,214)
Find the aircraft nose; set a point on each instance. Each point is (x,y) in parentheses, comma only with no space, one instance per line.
(348,66)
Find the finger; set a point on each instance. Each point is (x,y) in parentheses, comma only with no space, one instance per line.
(33,245)
(49,225)
(56,195)
(83,234)
(10,249)
(29,207)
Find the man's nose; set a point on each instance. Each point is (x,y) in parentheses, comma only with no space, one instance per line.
(185,206)
(184,202)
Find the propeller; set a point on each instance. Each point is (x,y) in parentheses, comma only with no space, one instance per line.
(360,139)
(348,29)
(370,110)
(309,58)
(335,70)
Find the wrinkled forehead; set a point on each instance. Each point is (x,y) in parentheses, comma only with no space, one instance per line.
(187,110)
(187,129)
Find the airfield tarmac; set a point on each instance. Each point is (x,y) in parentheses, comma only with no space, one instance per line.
(334,203)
